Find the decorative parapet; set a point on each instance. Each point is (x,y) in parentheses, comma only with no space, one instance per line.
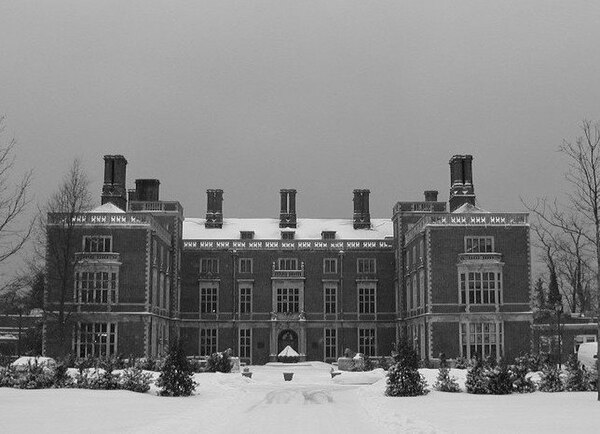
(110,219)
(288,274)
(287,245)
(479,257)
(160,206)
(451,219)
(107,257)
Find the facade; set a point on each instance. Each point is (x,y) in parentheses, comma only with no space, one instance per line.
(452,280)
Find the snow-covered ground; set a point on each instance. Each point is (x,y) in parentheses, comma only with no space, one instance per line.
(312,402)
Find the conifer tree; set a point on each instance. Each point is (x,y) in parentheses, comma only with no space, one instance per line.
(403,378)
(445,382)
(550,380)
(499,379)
(176,373)
(476,379)
(577,376)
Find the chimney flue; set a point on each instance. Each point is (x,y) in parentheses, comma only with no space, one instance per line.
(462,189)
(114,190)
(147,190)
(362,216)
(431,195)
(214,208)
(287,214)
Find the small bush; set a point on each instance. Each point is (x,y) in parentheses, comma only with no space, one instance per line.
(368,364)
(61,377)
(499,380)
(444,382)
(578,378)
(403,378)
(477,380)
(136,380)
(219,362)
(36,376)
(7,376)
(461,363)
(521,384)
(550,380)
(176,374)
(384,363)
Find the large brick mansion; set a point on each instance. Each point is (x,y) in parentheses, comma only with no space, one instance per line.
(451,277)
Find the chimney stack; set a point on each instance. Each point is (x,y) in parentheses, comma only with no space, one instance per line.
(461,181)
(214,208)
(361,216)
(113,190)
(287,215)
(146,190)
(431,195)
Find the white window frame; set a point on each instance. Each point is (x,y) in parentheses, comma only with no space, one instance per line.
(330,290)
(330,265)
(286,297)
(209,343)
(367,298)
(245,343)
(94,243)
(368,348)
(209,265)
(209,298)
(249,264)
(477,286)
(245,290)
(91,290)
(283,263)
(366,265)
(330,350)
(473,334)
(85,348)
(473,244)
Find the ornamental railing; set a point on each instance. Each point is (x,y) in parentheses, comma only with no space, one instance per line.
(282,274)
(97,256)
(480,257)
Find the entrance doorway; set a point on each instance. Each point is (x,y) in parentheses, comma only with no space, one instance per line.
(287,337)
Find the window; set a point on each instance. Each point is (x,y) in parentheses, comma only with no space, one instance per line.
(366,342)
(479,244)
(96,287)
(245,298)
(365,265)
(421,289)
(330,297)
(208,342)
(582,339)
(480,287)
(245,343)
(245,265)
(409,302)
(330,343)
(483,338)
(96,339)
(287,235)
(208,299)
(247,235)
(328,235)
(366,297)
(209,266)
(288,300)
(415,292)
(330,265)
(96,244)
(287,264)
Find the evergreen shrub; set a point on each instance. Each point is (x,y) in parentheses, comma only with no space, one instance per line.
(521,384)
(403,378)
(477,380)
(445,382)
(578,378)
(219,362)
(499,379)
(550,380)
(135,379)
(176,374)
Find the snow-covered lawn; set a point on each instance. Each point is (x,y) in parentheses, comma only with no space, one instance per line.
(311,403)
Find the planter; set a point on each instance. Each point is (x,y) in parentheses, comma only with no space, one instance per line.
(287,376)
(334,374)
(247,374)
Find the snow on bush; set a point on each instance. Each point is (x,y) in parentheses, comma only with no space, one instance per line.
(176,373)
(403,378)
(445,382)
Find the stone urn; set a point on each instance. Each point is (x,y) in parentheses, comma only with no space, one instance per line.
(287,376)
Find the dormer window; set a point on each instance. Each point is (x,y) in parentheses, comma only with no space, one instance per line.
(287,235)
(328,235)
(246,235)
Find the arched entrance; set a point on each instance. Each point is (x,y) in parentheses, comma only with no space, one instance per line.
(285,338)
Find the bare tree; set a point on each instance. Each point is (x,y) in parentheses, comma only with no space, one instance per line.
(14,228)
(57,229)
(584,176)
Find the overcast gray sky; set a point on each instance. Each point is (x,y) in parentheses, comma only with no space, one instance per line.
(321,96)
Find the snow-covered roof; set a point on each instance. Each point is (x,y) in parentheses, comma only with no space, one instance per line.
(268,229)
(467,208)
(288,352)
(107,208)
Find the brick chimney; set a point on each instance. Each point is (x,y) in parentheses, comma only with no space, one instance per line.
(287,215)
(214,209)
(146,190)
(114,190)
(361,216)
(431,195)
(461,181)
